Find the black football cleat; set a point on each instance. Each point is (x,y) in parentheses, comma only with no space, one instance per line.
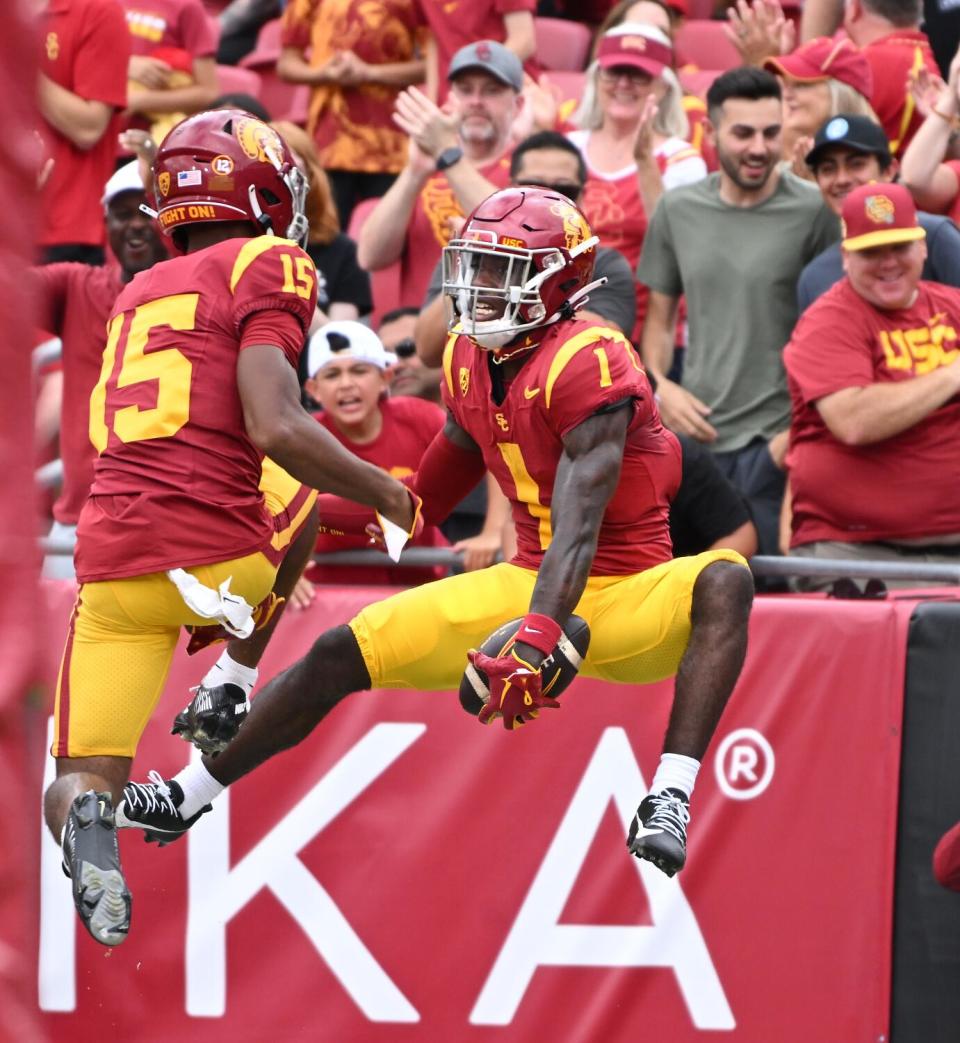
(154,807)
(91,858)
(658,832)
(213,717)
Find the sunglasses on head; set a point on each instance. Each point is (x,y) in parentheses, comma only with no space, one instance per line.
(570,189)
(405,348)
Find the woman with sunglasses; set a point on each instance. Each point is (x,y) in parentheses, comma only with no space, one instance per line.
(632,131)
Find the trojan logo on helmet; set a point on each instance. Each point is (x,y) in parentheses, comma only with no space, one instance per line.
(524,260)
(224,165)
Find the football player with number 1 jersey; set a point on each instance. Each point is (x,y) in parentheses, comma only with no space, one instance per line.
(560,411)
(198,381)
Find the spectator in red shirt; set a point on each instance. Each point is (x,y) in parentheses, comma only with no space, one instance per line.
(888,32)
(456,157)
(355,55)
(455,24)
(82,88)
(75,303)
(347,365)
(173,70)
(875,390)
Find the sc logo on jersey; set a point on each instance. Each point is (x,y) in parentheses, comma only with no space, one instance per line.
(744,764)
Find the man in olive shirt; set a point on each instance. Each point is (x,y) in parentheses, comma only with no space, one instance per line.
(734,244)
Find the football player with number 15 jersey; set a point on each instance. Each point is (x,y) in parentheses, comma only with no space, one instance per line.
(198,382)
(560,411)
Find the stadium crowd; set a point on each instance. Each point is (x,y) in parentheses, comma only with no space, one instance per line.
(774,191)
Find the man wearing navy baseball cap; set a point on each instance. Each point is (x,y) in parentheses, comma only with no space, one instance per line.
(849,151)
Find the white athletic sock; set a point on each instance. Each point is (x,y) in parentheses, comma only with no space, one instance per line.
(228,671)
(675,772)
(199,788)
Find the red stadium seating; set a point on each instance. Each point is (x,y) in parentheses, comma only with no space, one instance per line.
(384,284)
(697,81)
(284,101)
(232,80)
(701,9)
(704,44)
(561,44)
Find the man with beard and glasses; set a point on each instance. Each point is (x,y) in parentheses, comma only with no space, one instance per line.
(734,244)
(457,157)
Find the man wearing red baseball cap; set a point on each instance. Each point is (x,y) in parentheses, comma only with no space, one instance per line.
(875,394)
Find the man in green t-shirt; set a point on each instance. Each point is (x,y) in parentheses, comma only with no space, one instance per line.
(734,244)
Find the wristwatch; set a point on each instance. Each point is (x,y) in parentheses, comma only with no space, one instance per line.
(449,156)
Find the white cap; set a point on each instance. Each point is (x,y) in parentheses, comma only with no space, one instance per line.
(126,179)
(346,340)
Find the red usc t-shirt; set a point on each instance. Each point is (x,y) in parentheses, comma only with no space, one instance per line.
(183,24)
(577,369)
(85,49)
(176,482)
(409,426)
(891,59)
(429,230)
(905,487)
(75,302)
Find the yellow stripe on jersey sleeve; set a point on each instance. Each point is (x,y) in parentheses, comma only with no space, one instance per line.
(250,251)
(448,360)
(576,343)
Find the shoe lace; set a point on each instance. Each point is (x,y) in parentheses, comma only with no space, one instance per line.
(153,796)
(670,814)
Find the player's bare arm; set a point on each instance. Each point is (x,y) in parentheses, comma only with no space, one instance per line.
(278,425)
(587,477)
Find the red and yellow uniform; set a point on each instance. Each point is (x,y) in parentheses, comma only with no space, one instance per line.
(177,482)
(637,600)
(904,487)
(436,218)
(352,126)
(86,48)
(409,425)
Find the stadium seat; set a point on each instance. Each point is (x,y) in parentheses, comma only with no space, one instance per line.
(232,80)
(284,101)
(267,49)
(704,44)
(697,81)
(385,283)
(701,9)
(561,44)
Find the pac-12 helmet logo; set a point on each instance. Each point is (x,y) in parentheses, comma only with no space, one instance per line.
(163,183)
(258,140)
(575,227)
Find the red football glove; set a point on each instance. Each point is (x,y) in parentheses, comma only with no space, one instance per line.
(515,689)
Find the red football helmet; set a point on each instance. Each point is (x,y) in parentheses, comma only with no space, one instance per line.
(226,165)
(523,260)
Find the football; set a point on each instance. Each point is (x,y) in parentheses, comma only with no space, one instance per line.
(559,668)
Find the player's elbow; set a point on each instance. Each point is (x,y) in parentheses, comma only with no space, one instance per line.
(274,435)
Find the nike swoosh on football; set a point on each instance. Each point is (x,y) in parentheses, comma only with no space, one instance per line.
(531,392)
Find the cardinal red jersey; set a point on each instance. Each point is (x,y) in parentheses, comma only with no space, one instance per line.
(577,369)
(904,487)
(75,303)
(176,482)
(409,426)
